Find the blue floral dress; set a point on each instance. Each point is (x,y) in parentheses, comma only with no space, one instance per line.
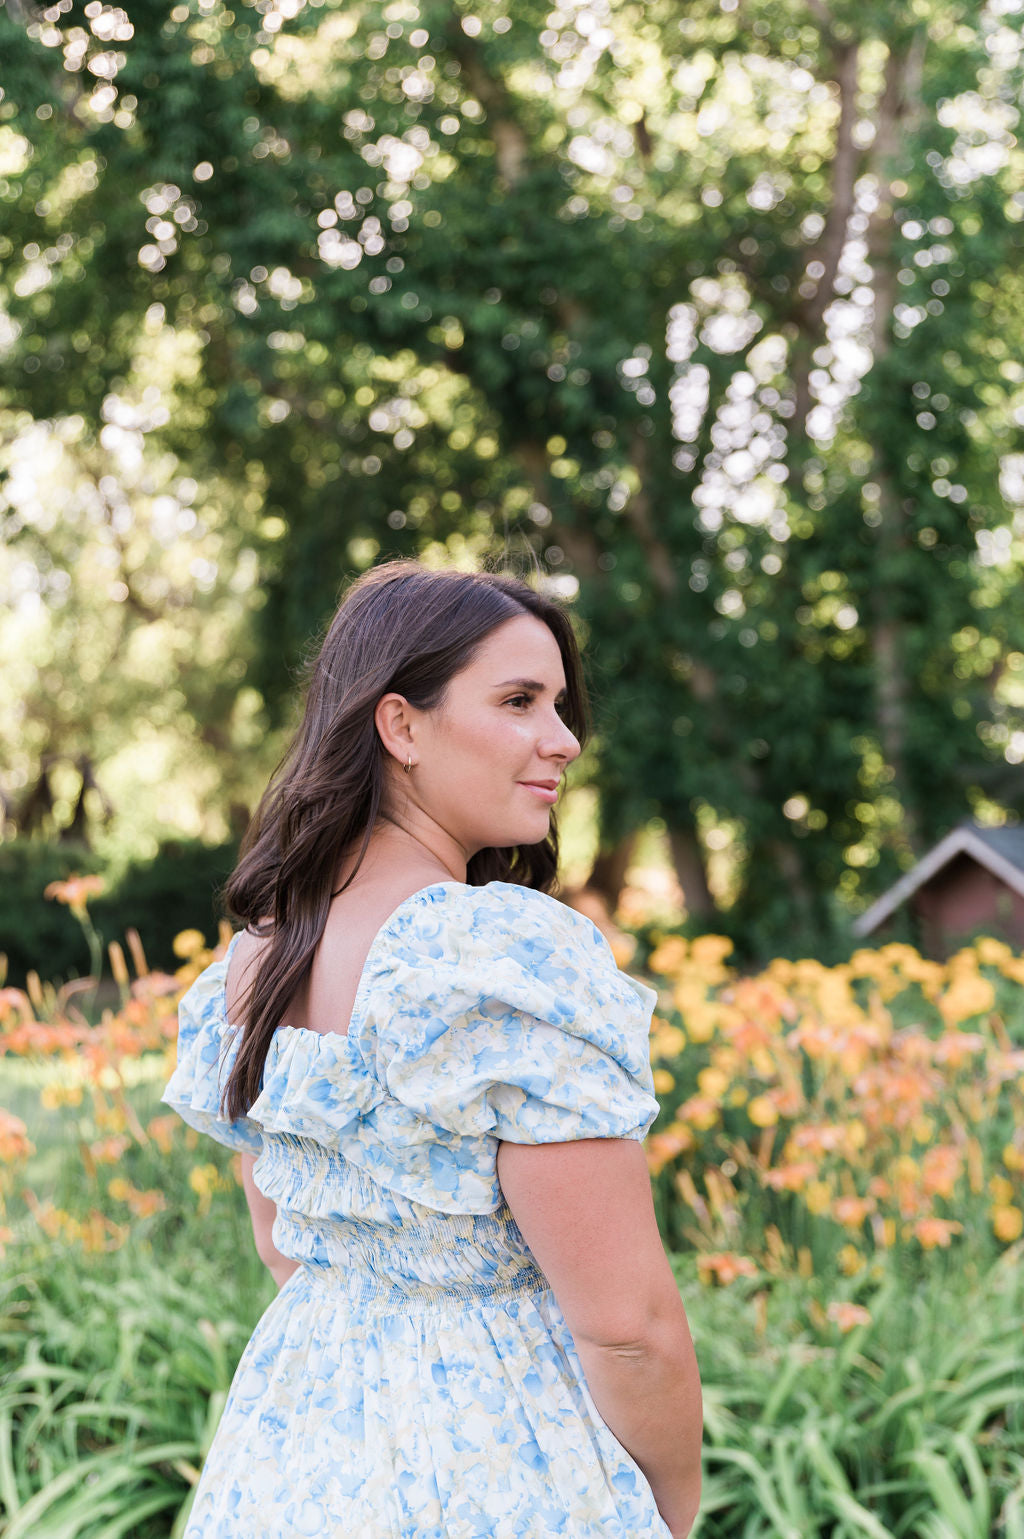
(415,1377)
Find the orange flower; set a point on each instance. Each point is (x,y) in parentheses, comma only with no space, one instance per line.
(12,999)
(162,1130)
(824,1138)
(932,1232)
(852,1211)
(941,1169)
(667,1145)
(699,1111)
(75,892)
(846,1315)
(789,1178)
(724,1267)
(955,1047)
(145,1204)
(15,1143)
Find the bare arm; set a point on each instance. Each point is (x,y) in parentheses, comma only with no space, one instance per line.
(586,1213)
(263,1212)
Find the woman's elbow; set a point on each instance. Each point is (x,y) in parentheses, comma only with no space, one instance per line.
(637,1327)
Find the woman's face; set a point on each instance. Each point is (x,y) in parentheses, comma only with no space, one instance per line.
(488,762)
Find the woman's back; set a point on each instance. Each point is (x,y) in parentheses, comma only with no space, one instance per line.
(416,1376)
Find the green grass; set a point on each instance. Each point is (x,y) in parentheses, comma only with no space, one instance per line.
(909,1427)
(116,1366)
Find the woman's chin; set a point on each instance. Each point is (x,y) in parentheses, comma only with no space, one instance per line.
(522,832)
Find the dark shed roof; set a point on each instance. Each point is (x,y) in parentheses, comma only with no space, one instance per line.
(999,850)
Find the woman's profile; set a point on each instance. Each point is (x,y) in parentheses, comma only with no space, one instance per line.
(439,1080)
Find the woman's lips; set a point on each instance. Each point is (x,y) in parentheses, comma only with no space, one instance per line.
(547,794)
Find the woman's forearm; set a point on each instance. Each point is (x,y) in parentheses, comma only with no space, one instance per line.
(648,1394)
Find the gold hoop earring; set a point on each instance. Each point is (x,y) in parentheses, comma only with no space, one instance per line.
(408,765)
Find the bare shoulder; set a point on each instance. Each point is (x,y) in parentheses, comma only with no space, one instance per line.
(244,958)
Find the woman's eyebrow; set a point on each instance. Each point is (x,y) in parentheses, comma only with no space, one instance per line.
(533,685)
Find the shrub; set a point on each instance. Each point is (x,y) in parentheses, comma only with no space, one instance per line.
(176,890)
(35,933)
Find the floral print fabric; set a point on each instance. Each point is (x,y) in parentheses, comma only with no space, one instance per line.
(415,1378)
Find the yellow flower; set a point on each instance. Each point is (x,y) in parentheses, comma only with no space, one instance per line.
(968,994)
(1007,1223)
(991,952)
(120,1189)
(204,1181)
(1002,1190)
(664,1081)
(850,1260)
(818,1197)
(856,1134)
(700,1025)
(710,950)
(712,1082)
(1013,1158)
(666,1040)
(763,1112)
(668,957)
(53,1096)
(188,942)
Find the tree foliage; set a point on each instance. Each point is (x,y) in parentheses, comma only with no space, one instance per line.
(711,308)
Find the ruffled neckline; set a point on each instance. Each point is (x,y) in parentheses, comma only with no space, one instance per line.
(358,1013)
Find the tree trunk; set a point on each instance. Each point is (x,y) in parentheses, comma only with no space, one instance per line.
(899,105)
(608,873)
(688,860)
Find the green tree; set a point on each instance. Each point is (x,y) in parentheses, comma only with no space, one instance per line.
(713,311)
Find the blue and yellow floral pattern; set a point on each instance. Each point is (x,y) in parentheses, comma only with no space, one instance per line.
(415,1378)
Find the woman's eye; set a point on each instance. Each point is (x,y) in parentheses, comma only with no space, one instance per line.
(520,700)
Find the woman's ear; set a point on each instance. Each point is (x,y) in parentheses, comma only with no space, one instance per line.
(393,719)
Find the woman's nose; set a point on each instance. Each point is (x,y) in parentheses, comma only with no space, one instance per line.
(563,744)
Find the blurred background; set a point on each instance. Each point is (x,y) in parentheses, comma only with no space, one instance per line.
(707,317)
(710,315)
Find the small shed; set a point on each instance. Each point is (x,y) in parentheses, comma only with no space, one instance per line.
(971,882)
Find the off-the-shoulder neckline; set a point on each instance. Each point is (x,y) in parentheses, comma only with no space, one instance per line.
(358,1002)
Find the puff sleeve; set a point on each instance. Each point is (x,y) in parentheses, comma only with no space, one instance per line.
(206,1052)
(512,1021)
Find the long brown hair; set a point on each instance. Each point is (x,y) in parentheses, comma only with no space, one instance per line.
(402,628)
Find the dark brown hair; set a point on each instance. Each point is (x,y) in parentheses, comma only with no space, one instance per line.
(402,628)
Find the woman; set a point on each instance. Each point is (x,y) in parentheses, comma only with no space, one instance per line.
(438,1090)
